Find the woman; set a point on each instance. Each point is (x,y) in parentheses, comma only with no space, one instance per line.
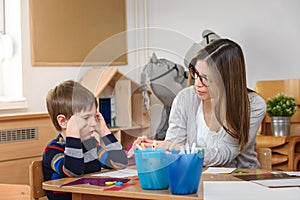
(218,113)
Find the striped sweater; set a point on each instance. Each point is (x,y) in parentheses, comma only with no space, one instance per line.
(73,158)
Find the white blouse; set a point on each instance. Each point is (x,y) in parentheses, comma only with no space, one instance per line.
(208,139)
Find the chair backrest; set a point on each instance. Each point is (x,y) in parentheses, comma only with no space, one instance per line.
(268,89)
(14,191)
(264,156)
(36,179)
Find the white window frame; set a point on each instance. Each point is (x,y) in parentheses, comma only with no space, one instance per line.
(11,88)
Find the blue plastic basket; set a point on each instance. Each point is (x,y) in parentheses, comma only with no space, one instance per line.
(185,172)
(152,168)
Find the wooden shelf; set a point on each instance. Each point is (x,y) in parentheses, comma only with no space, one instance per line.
(131,117)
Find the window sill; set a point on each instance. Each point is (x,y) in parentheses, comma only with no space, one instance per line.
(13,103)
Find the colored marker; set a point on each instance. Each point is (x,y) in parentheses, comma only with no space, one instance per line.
(143,146)
(187,148)
(172,145)
(139,147)
(154,145)
(200,150)
(108,183)
(130,154)
(119,183)
(181,150)
(241,172)
(193,148)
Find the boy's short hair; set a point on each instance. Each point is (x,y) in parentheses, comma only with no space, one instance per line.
(67,98)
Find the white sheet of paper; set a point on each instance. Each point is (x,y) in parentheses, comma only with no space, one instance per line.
(123,173)
(282,182)
(218,170)
(291,173)
(246,190)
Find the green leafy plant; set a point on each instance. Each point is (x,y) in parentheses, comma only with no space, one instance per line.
(281,105)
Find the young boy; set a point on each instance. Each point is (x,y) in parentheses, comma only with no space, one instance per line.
(74,152)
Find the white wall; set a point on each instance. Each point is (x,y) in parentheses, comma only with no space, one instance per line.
(37,80)
(267,31)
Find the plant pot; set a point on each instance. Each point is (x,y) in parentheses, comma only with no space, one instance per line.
(280,126)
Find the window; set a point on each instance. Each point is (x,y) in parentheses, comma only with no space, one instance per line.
(11,92)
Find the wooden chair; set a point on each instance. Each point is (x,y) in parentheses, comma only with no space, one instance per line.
(36,179)
(285,151)
(268,89)
(14,191)
(264,156)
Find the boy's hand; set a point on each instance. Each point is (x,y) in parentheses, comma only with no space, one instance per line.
(74,126)
(101,126)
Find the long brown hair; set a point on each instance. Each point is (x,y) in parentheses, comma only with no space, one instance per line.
(226,58)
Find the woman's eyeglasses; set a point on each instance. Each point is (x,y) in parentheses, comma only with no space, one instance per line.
(195,74)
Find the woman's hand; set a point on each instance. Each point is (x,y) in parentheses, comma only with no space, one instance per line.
(143,143)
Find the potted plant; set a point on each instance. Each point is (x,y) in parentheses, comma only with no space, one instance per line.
(280,108)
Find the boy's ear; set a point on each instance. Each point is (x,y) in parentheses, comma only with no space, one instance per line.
(62,121)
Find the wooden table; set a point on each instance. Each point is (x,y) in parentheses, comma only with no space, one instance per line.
(90,192)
